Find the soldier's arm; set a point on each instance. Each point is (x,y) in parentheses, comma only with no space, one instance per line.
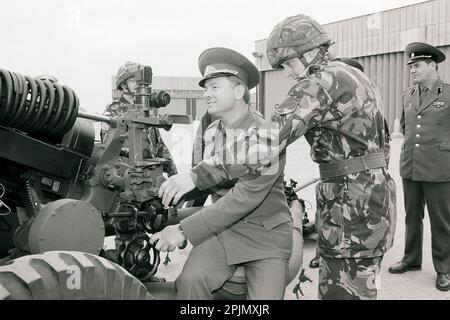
(163,152)
(248,193)
(257,148)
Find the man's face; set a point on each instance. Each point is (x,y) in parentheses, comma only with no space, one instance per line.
(131,83)
(293,68)
(128,89)
(421,71)
(220,96)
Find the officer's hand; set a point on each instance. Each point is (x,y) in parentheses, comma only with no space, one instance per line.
(168,239)
(175,187)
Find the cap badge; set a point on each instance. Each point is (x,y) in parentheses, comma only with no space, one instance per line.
(211,69)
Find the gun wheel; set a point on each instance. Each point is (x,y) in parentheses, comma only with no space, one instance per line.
(68,275)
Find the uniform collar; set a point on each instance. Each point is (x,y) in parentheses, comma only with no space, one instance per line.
(434,87)
(243,122)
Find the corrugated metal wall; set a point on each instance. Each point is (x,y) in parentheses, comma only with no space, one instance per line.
(186,95)
(377,41)
(196,107)
(392,30)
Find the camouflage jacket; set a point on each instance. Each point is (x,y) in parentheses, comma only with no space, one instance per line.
(338,110)
(154,146)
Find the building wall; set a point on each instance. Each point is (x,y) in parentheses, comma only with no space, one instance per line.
(377,41)
(186,96)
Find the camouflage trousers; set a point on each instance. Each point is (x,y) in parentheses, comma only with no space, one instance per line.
(349,278)
(356,214)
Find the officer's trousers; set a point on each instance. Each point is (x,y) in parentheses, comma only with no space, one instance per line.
(206,270)
(436,195)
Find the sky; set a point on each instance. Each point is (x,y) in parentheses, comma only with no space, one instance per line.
(83,43)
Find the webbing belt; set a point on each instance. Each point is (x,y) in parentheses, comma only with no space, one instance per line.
(353,165)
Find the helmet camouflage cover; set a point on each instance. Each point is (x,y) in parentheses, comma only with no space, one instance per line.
(126,71)
(294,36)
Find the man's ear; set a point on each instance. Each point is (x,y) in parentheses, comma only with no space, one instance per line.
(434,65)
(239,92)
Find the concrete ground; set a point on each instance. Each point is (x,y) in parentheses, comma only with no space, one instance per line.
(409,286)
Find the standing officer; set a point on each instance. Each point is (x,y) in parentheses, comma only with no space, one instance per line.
(249,222)
(338,109)
(425,162)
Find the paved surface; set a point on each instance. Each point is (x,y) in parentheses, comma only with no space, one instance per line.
(408,286)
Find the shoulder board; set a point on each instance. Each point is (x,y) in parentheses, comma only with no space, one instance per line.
(213,124)
(409,88)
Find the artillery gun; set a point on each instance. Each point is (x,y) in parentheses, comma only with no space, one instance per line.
(61,192)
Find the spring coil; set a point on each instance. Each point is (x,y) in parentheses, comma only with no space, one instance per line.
(36,106)
(29,202)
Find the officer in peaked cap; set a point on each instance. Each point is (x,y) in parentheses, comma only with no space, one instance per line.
(425,162)
(248,223)
(417,51)
(218,62)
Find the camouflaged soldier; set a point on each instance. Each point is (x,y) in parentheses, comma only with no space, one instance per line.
(355,64)
(338,109)
(125,87)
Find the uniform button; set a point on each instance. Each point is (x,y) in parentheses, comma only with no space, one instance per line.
(418,126)
(419,116)
(417,144)
(417,135)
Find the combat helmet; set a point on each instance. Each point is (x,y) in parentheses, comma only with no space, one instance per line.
(126,71)
(294,36)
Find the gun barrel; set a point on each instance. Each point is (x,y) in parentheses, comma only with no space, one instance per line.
(95,117)
(306,184)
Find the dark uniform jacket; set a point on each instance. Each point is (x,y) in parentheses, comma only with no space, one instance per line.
(425,154)
(251,218)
